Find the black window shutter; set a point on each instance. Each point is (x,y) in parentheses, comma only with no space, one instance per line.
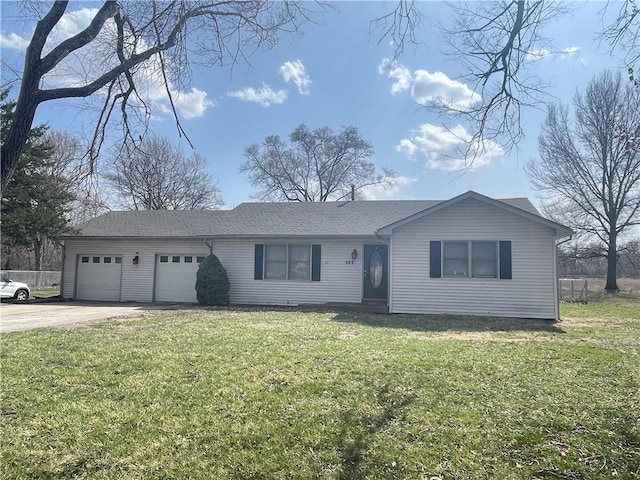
(435,263)
(316,259)
(505,260)
(258,262)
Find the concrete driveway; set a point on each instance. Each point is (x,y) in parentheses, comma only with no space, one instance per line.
(15,317)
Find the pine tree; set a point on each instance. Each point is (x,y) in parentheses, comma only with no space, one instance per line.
(34,202)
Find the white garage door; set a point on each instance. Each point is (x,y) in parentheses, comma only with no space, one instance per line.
(99,277)
(176,277)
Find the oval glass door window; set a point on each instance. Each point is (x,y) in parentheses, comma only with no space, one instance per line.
(375,270)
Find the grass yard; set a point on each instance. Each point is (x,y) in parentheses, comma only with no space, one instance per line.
(287,395)
(45,292)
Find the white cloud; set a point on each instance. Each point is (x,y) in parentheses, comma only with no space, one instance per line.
(13,41)
(295,72)
(388,192)
(407,147)
(426,87)
(192,104)
(569,52)
(439,88)
(71,23)
(401,75)
(264,96)
(444,149)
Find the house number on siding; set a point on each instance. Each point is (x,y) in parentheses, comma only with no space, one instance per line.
(350,262)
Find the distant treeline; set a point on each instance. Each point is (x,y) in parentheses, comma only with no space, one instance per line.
(590,260)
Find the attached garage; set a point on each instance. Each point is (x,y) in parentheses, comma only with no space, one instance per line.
(175,278)
(99,277)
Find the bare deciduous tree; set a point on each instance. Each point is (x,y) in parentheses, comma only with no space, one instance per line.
(495,42)
(163,36)
(592,167)
(159,176)
(315,166)
(70,162)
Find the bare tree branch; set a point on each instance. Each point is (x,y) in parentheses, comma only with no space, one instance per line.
(399,25)
(134,34)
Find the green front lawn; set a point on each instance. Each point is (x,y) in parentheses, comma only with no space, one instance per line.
(286,394)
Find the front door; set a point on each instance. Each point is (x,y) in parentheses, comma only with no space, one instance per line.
(376,276)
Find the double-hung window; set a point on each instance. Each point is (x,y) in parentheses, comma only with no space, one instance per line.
(275,262)
(299,261)
(470,259)
(455,261)
(484,259)
(287,262)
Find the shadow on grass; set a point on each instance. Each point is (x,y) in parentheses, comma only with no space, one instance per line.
(449,323)
(358,428)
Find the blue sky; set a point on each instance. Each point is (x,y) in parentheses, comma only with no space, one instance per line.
(333,76)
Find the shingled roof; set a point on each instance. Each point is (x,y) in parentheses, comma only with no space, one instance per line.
(321,219)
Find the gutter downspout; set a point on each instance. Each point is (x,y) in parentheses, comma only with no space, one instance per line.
(64,259)
(209,244)
(556,244)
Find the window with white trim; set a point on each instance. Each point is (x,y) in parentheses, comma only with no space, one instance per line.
(287,262)
(299,261)
(470,259)
(275,262)
(484,259)
(455,259)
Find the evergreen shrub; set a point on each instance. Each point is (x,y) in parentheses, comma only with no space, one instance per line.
(212,283)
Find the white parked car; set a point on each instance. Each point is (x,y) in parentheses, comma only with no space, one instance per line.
(11,289)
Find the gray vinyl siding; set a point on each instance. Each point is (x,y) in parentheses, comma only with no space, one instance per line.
(340,282)
(530,294)
(137,280)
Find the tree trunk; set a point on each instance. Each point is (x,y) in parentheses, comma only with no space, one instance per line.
(7,260)
(37,250)
(612,261)
(16,139)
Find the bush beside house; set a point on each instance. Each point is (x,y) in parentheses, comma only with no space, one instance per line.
(212,283)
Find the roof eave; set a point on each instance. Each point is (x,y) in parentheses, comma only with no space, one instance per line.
(563,231)
(217,236)
(556,227)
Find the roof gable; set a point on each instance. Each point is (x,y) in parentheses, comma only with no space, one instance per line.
(524,209)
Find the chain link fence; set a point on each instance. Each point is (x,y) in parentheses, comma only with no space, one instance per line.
(573,290)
